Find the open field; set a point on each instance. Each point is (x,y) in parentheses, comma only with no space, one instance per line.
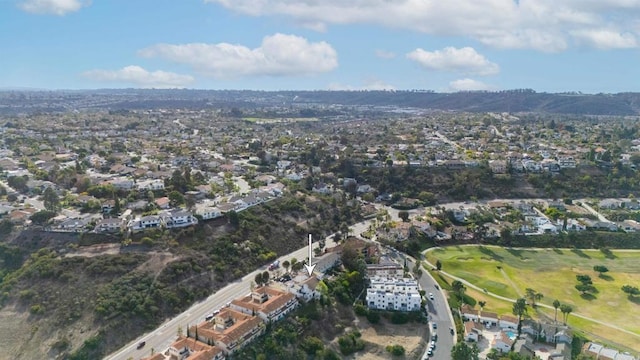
(552,272)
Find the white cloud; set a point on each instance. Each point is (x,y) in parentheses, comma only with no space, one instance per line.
(383,54)
(468,85)
(278,55)
(606,39)
(138,76)
(465,60)
(52,7)
(545,25)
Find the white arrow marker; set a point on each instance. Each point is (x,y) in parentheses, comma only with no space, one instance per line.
(308,265)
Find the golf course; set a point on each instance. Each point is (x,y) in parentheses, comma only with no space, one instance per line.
(605,314)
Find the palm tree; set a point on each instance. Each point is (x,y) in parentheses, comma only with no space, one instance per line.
(556,305)
(533,296)
(566,310)
(519,309)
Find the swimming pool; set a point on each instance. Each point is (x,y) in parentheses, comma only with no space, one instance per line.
(511,334)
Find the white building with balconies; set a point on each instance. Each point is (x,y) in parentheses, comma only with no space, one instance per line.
(387,293)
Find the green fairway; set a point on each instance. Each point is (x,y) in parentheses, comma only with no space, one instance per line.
(552,272)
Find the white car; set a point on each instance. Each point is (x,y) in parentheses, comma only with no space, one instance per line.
(431,296)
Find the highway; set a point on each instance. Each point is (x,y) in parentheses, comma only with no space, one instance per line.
(161,338)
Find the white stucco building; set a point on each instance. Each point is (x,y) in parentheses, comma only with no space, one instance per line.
(393,294)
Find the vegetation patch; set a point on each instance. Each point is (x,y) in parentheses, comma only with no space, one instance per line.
(555,274)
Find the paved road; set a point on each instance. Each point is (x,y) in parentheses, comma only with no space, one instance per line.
(161,338)
(439,314)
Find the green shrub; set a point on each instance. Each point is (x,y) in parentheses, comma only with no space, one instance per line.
(395,350)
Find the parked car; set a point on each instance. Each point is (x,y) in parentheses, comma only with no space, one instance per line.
(141,344)
(431,296)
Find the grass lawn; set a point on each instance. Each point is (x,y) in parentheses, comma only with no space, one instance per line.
(552,272)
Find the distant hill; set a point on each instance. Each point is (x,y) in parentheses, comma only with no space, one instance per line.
(513,101)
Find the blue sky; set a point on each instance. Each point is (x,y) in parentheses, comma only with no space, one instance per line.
(546,45)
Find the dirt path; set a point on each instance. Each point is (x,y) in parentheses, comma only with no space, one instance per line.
(513,285)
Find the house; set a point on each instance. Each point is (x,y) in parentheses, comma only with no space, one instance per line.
(454,164)
(306,289)
(610,204)
(508,322)
(424,228)
(385,268)
(190,348)
(108,225)
(393,294)
(208,211)
(400,232)
(468,313)
(572,225)
(629,225)
(151,184)
(329,259)
(498,166)
(600,225)
(108,206)
(178,218)
(472,331)
(567,162)
(145,222)
(163,202)
(267,303)
(562,351)
(229,330)
(592,349)
(502,342)
(489,319)
(558,205)
(608,354)
(73,225)
(525,348)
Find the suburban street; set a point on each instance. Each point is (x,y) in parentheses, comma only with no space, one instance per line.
(438,311)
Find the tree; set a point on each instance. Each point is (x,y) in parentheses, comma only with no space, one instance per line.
(631,290)
(233,218)
(584,279)
(285,265)
(519,309)
(404,215)
(601,269)
(438,265)
(458,288)
(42,217)
(265,277)
(190,202)
(462,351)
(51,200)
(259,279)
(176,198)
(533,296)
(482,304)
(585,288)
(556,305)
(566,310)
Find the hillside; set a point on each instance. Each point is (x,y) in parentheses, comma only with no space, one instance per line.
(514,101)
(69,296)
